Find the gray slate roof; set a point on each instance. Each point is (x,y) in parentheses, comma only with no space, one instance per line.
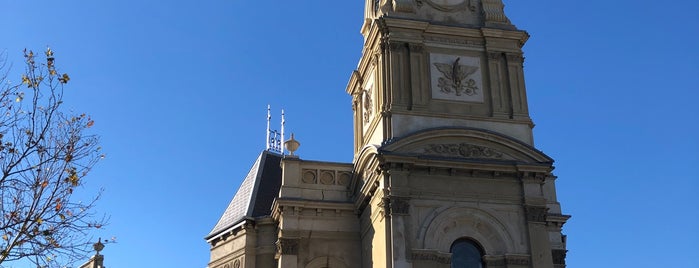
(255,196)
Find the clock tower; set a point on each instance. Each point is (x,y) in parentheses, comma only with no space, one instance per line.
(445,171)
(445,168)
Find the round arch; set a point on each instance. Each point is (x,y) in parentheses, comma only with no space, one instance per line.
(326,262)
(448,225)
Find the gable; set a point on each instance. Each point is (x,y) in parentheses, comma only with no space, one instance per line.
(464,144)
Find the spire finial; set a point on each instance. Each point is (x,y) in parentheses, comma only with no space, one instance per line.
(283,122)
(274,139)
(98,246)
(269,117)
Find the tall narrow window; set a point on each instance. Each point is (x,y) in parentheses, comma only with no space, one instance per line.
(465,253)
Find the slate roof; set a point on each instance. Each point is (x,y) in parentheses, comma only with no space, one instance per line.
(255,195)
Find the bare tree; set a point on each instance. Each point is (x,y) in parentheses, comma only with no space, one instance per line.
(45,153)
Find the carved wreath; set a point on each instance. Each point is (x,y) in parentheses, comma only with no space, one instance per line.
(463,150)
(456,78)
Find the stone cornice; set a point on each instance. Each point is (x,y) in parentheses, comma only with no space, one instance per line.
(527,121)
(430,256)
(281,205)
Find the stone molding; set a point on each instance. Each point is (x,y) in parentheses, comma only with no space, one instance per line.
(506,260)
(536,213)
(403,6)
(517,259)
(430,255)
(453,41)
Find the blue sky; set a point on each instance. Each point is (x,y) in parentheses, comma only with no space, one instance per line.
(179,91)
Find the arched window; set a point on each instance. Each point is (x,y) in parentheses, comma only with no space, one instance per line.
(465,253)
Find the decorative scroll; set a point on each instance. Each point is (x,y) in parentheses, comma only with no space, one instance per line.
(399,206)
(463,150)
(288,246)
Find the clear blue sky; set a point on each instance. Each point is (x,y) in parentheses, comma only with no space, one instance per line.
(179,91)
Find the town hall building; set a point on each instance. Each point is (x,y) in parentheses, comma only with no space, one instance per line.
(445,172)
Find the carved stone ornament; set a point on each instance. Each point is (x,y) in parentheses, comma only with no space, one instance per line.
(456,78)
(449,5)
(494,55)
(515,58)
(344,178)
(288,246)
(536,213)
(236,264)
(463,150)
(494,11)
(399,206)
(309,176)
(396,47)
(327,177)
(425,255)
(559,256)
(416,48)
(368,106)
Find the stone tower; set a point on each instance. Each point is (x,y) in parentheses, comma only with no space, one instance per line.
(445,168)
(445,172)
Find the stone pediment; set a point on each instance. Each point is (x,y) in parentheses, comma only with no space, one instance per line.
(462,150)
(465,143)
